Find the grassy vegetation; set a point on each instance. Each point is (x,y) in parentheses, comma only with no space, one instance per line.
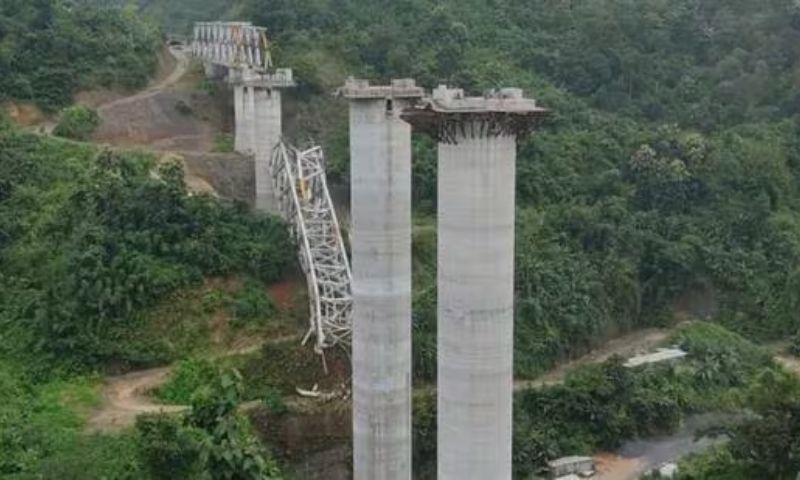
(41,430)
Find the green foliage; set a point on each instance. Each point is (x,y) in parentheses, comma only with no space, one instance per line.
(794,347)
(186,379)
(233,451)
(77,123)
(41,432)
(213,442)
(51,48)
(424,442)
(671,159)
(168,448)
(764,445)
(179,16)
(87,244)
(424,299)
(223,143)
(283,366)
(718,464)
(273,400)
(251,304)
(600,406)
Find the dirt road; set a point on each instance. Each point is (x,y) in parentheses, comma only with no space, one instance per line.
(126,397)
(180,69)
(640,341)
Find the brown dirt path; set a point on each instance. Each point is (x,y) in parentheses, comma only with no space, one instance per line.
(127,396)
(179,70)
(640,341)
(169,115)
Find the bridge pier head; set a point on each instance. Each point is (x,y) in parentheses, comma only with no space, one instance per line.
(266,91)
(259,124)
(476,181)
(380,146)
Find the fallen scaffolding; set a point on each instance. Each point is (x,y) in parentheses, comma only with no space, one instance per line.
(305,203)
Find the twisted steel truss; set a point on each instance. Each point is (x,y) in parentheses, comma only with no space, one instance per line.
(305,202)
(232,44)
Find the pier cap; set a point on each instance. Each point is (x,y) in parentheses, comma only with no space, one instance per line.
(449,112)
(248,77)
(358,89)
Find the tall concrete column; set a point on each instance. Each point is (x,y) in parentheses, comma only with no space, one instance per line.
(380,164)
(477,154)
(269,127)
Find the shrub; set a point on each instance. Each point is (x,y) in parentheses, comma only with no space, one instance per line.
(77,123)
(188,377)
(108,240)
(168,449)
(251,305)
(273,400)
(233,451)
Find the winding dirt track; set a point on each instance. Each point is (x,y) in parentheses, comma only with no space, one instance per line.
(627,345)
(181,68)
(127,396)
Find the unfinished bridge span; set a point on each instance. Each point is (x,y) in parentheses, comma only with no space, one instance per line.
(477,149)
(289,181)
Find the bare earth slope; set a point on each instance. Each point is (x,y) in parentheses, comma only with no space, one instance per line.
(163,117)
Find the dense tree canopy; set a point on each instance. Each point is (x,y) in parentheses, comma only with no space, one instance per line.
(89,240)
(670,170)
(671,160)
(51,48)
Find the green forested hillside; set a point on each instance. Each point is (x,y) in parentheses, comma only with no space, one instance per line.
(178,17)
(89,240)
(51,48)
(670,170)
(671,160)
(93,245)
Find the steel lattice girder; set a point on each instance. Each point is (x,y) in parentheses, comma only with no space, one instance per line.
(305,202)
(232,44)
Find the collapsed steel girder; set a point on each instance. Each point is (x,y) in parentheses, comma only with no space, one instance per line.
(233,45)
(305,202)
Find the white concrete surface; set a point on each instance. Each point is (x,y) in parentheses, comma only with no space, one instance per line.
(267,134)
(380,144)
(238,119)
(476,307)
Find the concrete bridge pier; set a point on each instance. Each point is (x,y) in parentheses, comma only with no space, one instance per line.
(264,94)
(380,146)
(477,154)
(259,124)
(268,131)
